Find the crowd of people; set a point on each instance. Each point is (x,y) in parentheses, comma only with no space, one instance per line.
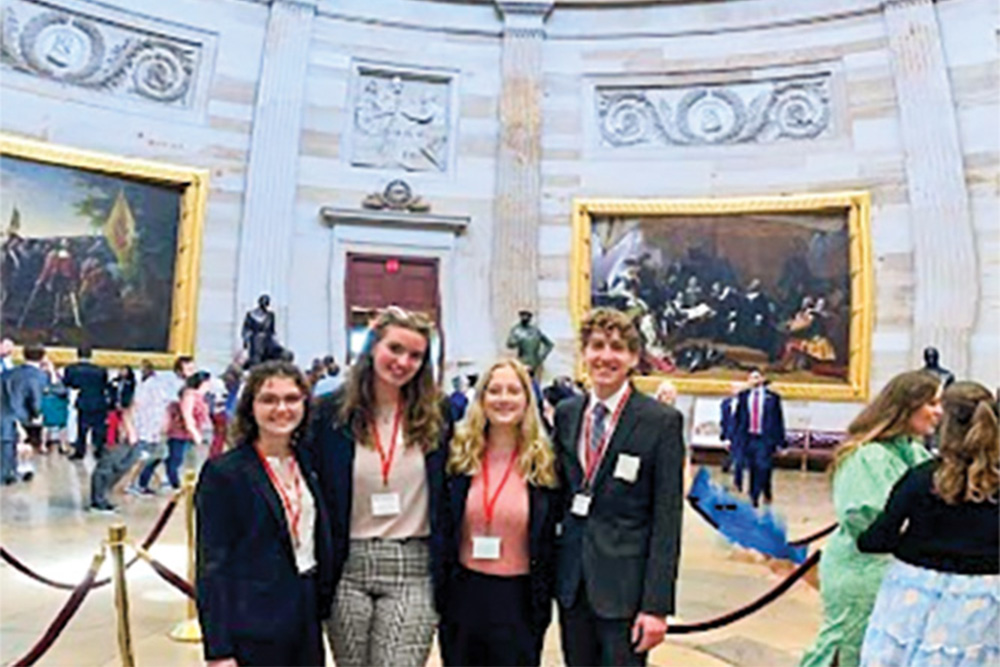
(371,508)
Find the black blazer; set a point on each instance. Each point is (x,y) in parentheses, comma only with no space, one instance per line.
(772,426)
(92,381)
(543,514)
(245,559)
(333,445)
(626,551)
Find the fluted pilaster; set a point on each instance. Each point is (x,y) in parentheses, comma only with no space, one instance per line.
(517,204)
(268,210)
(945,261)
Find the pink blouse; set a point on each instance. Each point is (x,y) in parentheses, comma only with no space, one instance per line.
(510,521)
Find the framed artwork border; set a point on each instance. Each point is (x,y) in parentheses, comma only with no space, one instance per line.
(184,302)
(856,203)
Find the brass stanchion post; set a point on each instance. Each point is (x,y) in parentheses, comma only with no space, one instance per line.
(116,541)
(188,630)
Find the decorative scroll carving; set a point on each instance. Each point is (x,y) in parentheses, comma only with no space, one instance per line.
(92,53)
(789,109)
(401,121)
(397,196)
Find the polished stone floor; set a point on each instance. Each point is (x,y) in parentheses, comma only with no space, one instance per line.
(43,523)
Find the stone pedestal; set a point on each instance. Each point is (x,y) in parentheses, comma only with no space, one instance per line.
(945,262)
(517,204)
(269,205)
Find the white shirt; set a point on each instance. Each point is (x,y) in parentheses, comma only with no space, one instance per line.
(612,404)
(305,550)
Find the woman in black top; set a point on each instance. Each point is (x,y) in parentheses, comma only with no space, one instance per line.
(941,599)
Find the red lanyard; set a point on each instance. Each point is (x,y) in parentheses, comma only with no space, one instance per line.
(488,504)
(293,509)
(594,462)
(386,460)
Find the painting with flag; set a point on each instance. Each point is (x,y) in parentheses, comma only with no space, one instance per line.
(93,248)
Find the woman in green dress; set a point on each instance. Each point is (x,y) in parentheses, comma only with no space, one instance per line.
(884,441)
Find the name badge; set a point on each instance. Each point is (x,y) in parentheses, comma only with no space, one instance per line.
(485,548)
(386,504)
(581,505)
(627,468)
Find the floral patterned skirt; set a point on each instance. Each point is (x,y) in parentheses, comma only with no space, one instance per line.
(927,617)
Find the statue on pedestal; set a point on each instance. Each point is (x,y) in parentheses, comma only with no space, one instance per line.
(531,344)
(931,365)
(258,333)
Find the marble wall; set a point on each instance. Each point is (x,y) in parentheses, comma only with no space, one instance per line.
(502,112)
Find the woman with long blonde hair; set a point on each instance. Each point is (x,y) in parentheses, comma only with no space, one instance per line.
(381,446)
(941,597)
(884,441)
(503,507)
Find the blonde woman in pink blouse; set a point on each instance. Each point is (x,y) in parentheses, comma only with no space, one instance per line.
(502,502)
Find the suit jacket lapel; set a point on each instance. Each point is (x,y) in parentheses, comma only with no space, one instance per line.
(574,467)
(261,484)
(626,423)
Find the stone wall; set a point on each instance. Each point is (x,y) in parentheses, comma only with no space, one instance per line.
(413,89)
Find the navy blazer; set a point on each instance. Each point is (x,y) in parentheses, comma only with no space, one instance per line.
(25,386)
(246,568)
(332,444)
(543,515)
(627,550)
(92,381)
(773,425)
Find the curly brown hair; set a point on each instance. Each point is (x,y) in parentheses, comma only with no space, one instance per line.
(969,467)
(608,320)
(244,429)
(423,420)
(888,416)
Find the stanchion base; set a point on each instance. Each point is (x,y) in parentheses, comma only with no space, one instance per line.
(187,631)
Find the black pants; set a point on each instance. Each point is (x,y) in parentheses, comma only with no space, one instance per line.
(759,455)
(94,422)
(304,651)
(110,469)
(488,622)
(588,639)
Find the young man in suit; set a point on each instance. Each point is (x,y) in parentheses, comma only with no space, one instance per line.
(621,457)
(735,459)
(91,403)
(759,431)
(21,390)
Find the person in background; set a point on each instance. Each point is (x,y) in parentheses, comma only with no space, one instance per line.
(146,370)
(20,404)
(941,596)
(55,409)
(503,506)
(380,451)
(735,456)
(759,431)
(123,448)
(157,398)
(232,378)
(884,441)
(6,354)
(149,420)
(91,403)
(330,382)
(666,393)
(457,401)
(216,401)
(264,565)
(121,391)
(187,419)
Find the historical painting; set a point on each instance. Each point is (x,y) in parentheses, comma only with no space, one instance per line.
(718,287)
(98,250)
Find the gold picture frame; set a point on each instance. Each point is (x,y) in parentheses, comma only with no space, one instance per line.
(854,207)
(187,190)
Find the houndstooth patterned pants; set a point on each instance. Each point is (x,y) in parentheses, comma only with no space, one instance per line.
(383,612)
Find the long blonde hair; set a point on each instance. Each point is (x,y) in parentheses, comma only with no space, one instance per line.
(969,468)
(422,421)
(888,416)
(535,460)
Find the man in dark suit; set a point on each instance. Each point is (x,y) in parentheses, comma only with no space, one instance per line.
(21,402)
(621,458)
(760,431)
(91,404)
(736,458)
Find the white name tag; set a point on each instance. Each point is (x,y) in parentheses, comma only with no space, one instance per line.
(627,468)
(485,548)
(581,505)
(386,504)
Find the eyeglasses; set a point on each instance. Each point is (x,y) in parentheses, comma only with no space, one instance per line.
(274,400)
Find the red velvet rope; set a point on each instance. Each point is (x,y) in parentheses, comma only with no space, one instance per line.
(168,575)
(153,535)
(55,628)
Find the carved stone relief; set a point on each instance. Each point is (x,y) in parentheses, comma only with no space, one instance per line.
(757,112)
(397,196)
(55,43)
(401,121)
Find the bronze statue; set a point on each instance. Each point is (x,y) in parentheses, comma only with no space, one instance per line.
(258,333)
(931,365)
(531,344)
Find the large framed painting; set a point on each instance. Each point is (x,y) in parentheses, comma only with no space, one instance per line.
(718,287)
(99,250)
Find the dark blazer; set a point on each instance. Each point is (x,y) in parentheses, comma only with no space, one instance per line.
(773,426)
(626,551)
(727,419)
(333,445)
(26,385)
(543,514)
(92,381)
(245,558)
